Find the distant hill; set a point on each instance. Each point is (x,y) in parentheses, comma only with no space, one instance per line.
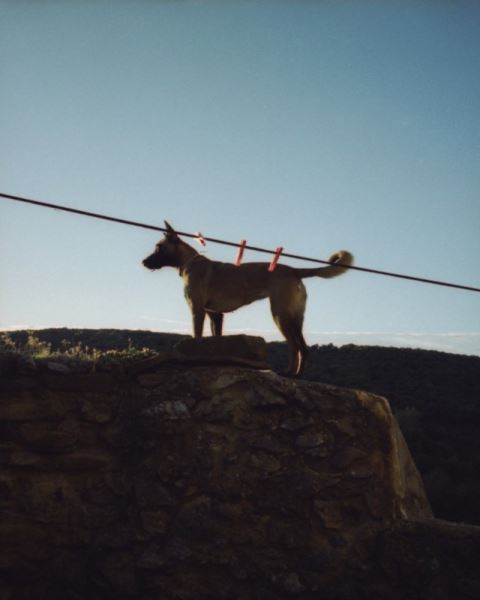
(435,396)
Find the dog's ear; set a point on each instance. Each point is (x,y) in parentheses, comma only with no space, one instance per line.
(170,233)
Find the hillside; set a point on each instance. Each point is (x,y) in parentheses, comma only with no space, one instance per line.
(435,397)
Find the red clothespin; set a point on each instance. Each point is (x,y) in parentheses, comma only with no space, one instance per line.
(241,249)
(275,258)
(200,239)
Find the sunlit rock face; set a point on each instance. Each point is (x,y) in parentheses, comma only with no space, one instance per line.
(175,480)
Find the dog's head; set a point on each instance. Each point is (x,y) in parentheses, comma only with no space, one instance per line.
(166,252)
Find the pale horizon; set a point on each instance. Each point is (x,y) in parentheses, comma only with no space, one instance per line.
(462,343)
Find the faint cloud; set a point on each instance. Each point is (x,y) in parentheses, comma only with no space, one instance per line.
(157,320)
(22,326)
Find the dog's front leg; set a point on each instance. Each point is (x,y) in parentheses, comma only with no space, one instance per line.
(198,320)
(216,323)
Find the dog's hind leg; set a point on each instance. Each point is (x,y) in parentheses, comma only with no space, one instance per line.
(288,305)
(302,352)
(297,347)
(216,323)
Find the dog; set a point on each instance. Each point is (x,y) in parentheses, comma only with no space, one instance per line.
(213,288)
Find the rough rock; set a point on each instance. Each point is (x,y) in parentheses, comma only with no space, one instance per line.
(214,482)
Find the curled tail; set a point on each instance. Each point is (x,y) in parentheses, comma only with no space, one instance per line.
(340,261)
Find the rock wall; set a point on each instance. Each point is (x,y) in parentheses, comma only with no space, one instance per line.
(214,481)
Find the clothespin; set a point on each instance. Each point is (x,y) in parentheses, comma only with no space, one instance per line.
(241,249)
(200,239)
(275,258)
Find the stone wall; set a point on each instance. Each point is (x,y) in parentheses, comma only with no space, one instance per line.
(190,482)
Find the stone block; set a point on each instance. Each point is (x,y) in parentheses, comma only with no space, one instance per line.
(47,438)
(28,406)
(243,347)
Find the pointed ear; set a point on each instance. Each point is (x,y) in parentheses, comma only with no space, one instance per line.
(170,230)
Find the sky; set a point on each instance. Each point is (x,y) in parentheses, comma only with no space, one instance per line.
(312,125)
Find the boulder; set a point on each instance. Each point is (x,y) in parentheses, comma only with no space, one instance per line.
(214,481)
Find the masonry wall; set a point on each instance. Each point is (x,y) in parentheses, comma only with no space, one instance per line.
(211,482)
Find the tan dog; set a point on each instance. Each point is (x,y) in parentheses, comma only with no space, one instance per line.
(214,288)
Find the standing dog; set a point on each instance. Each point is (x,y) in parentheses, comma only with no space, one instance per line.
(214,288)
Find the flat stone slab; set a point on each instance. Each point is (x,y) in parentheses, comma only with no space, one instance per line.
(243,347)
(229,350)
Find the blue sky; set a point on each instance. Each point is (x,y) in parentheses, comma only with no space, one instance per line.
(311,125)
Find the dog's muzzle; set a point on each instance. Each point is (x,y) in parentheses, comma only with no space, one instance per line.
(149,263)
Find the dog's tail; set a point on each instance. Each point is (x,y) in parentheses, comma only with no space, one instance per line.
(340,261)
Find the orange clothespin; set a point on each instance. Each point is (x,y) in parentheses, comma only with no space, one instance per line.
(241,249)
(200,239)
(275,258)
